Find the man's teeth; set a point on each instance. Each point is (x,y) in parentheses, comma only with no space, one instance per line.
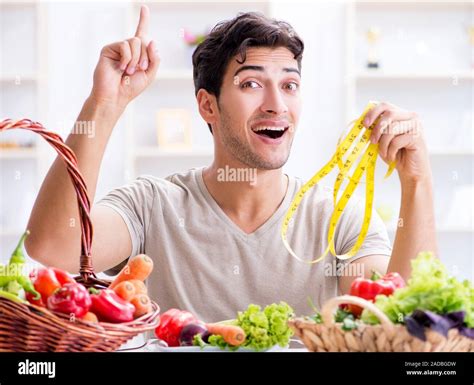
(263,128)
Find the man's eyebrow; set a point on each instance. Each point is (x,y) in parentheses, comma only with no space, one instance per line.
(292,70)
(262,69)
(249,68)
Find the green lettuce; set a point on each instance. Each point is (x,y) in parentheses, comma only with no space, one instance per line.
(429,288)
(263,328)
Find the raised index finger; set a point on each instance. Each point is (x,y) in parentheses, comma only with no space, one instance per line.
(142,28)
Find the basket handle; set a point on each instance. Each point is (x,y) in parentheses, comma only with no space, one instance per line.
(329,307)
(86,270)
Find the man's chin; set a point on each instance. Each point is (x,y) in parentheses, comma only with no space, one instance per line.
(261,160)
(270,164)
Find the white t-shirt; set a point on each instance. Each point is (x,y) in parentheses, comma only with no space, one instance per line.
(206,264)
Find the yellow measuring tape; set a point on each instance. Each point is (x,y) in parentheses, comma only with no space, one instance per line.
(352,145)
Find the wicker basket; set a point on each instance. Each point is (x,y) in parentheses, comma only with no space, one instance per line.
(385,337)
(26,327)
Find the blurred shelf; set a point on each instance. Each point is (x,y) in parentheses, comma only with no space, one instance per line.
(210,5)
(18,3)
(155,152)
(407,4)
(183,74)
(19,153)
(450,152)
(379,75)
(12,78)
(455,229)
(443,229)
(11,232)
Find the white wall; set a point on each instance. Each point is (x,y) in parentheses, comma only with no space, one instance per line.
(77,33)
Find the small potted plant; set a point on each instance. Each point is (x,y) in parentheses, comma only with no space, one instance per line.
(192,40)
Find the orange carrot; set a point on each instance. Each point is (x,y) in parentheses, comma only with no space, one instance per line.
(125,290)
(233,335)
(139,267)
(90,317)
(140,287)
(142,305)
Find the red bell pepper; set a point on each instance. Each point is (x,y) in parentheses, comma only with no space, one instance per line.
(171,324)
(46,280)
(396,278)
(109,307)
(72,298)
(370,288)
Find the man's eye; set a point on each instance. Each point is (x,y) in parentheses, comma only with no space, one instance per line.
(292,86)
(250,84)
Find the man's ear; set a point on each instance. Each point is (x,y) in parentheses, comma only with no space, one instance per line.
(207,104)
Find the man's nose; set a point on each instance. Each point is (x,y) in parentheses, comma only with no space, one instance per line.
(274,102)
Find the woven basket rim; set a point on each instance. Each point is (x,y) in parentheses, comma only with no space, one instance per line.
(41,314)
(307,323)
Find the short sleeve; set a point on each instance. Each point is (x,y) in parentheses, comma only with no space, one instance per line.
(133,202)
(376,241)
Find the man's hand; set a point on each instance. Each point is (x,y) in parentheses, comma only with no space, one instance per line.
(400,138)
(127,67)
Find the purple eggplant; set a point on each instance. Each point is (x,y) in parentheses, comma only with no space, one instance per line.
(186,338)
(419,320)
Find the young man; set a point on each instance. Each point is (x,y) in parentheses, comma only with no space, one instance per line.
(215,241)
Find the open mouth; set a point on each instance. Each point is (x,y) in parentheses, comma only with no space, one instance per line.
(270,132)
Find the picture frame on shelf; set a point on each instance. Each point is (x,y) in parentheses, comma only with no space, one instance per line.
(174,129)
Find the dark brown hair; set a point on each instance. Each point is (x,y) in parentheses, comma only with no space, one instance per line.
(233,37)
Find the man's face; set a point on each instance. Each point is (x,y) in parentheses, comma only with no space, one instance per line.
(259,107)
